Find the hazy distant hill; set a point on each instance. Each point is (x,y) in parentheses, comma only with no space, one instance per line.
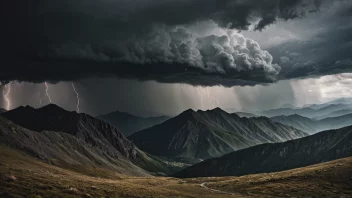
(93,131)
(299,122)
(321,147)
(128,124)
(306,112)
(288,106)
(63,149)
(334,114)
(312,126)
(336,101)
(195,136)
(2,110)
(247,115)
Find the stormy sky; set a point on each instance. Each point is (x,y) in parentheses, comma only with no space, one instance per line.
(152,57)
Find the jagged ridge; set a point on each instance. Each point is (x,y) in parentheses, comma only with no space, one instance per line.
(195,136)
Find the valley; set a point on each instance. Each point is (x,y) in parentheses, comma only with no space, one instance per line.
(52,152)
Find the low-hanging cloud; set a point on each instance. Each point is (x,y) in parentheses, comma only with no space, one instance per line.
(142,39)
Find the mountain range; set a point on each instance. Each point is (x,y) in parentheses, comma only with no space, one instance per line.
(129,124)
(306,111)
(265,158)
(196,136)
(336,101)
(312,126)
(334,114)
(98,135)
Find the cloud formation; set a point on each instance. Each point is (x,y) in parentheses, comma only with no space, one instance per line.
(326,48)
(142,39)
(164,54)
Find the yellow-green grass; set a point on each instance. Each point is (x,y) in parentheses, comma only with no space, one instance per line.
(24,176)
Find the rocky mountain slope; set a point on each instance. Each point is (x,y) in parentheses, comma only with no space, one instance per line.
(63,149)
(129,124)
(93,131)
(321,147)
(195,136)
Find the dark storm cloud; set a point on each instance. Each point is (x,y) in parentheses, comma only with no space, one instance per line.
(326,52)
(147,40)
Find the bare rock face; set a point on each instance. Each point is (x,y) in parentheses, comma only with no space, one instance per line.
(196,136)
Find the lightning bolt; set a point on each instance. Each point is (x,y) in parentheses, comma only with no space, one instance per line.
(210,98)
(40,100)
(78,98)
(6,93)
(46,91)
(201,97)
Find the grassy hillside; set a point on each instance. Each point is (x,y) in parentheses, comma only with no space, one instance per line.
(23,176)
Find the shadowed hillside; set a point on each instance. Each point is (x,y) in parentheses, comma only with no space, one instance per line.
(23,176)
(195,136)
(91,130)
(64,150)
(321,147)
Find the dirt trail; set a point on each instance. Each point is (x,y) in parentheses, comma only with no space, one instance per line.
(214,190)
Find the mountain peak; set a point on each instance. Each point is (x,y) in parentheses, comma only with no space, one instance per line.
(52,108)
(188,111)
(195,136)
(217,109)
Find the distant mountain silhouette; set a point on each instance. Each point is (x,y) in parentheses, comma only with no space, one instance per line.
(246,115)
(129,124)
(312,126)
(195,136)
(334,114)
(306,111)
(265,158)
(288,106)
(300,122)
(347,101)
(93,131)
